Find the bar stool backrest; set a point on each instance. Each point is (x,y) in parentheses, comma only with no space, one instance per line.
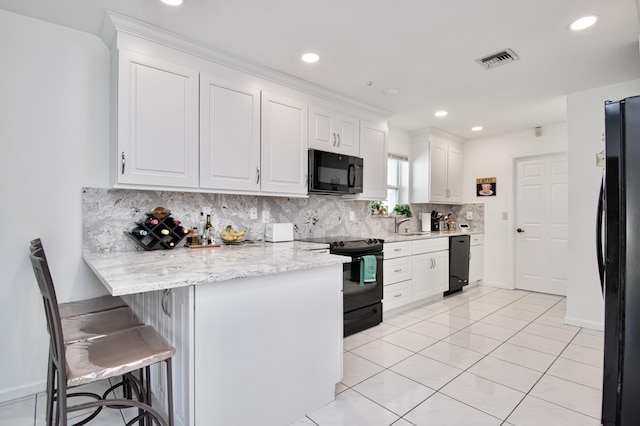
(54,325)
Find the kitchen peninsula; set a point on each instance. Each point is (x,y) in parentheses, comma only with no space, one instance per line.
(257,327)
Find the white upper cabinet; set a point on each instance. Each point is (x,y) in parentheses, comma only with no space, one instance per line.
(436,167)
(333,132)
(284,145)
(157,123)
(374,151)
(229,135)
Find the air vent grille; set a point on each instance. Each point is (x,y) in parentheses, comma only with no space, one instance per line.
(496,59)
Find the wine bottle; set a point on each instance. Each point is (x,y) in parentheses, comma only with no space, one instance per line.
(151,221)
(209,230)
(164,231)
(203,231)
(137,231)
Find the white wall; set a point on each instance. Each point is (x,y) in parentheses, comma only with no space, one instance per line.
(494,157)
(585,125)
(54,138)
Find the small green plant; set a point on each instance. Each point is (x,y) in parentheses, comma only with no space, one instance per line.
(378,208)
(403,209)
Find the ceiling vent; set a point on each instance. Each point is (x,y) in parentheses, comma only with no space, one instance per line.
(496,59)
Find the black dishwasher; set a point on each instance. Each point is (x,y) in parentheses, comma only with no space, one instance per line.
(459,246)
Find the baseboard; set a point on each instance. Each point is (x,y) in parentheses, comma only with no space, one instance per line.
(494,284)
(578,322)
(22,391)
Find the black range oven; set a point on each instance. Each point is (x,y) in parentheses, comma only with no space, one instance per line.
(362,300)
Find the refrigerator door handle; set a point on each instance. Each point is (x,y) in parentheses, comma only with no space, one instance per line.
(599,223)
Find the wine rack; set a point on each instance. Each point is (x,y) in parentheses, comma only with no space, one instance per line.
(157,233)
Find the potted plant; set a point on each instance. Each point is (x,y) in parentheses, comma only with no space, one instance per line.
(403,209)
(377,208)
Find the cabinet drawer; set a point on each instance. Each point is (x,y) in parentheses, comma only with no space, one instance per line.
(396,295)
(396,270)
(429,245)
(477,239)
(393,250)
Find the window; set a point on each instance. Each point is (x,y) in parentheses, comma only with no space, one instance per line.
(397,180)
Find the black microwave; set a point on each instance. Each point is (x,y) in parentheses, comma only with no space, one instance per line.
(331,173)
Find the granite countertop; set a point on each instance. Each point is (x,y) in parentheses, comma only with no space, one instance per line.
(394,238)
(134,272)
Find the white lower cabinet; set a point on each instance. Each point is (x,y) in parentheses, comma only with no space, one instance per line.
(430,274)
(415,270)
(476,258)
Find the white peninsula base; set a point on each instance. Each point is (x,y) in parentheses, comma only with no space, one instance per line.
(268,350)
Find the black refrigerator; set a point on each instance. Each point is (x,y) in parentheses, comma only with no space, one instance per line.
(618,237)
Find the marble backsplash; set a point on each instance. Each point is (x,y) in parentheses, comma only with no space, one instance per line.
(106,213)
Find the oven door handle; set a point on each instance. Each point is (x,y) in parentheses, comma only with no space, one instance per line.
(359,258)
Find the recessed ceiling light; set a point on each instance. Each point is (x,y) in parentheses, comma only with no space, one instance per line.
(476,128)
(390,91)
(310,57)
(172,2)
(441,114)
(582,23)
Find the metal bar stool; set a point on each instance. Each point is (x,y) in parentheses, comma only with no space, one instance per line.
(87,319)
(98,358)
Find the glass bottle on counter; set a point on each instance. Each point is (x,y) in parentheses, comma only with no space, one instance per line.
(203,231)
(209,230)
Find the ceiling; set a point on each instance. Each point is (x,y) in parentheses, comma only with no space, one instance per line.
(426,49)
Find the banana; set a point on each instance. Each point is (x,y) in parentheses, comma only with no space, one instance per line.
(230,234)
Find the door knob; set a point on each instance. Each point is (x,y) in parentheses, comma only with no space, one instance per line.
(520,230)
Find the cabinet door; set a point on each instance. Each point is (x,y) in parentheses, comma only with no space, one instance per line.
(439,274)
(284,145)
(438,172)
(476,263)
(421,266)
(348,132)
(373,150)
(454,174)
(321,134)
(157,123)
(229,135)
(430,274)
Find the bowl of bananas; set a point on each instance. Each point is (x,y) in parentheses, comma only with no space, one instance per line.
(231,236)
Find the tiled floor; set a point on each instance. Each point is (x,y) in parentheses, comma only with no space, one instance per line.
(483,357)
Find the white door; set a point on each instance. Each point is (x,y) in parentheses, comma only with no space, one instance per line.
(541,224)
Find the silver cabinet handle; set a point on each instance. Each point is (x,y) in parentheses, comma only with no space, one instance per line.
(338,139)
(122,162)
(334,139)
(397,295)
(397,249)
(257,174)
(433,263)
(397,270)
(163,303)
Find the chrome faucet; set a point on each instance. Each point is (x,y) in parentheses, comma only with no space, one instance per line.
(399,223)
